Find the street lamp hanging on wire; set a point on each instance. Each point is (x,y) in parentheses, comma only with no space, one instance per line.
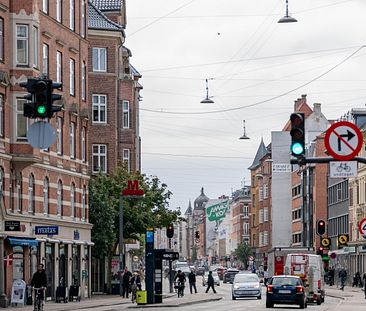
(208,99)
(287,18)
(245,132)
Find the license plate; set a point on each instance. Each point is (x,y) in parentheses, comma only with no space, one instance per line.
(284,291)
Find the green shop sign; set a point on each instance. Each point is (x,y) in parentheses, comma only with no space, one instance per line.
(217,211)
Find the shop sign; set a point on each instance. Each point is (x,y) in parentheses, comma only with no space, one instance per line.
(217,211)
(12,225)
(46,230)
(76,235)
(18,292)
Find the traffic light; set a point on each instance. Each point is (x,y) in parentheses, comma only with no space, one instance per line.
(197,235)
(40,99)
(320,251)
(297,134)
(170,231)
(320,227)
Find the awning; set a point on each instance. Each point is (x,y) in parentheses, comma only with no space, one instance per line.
(23,242)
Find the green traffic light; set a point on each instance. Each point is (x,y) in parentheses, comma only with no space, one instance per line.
(41,109)
(297,149)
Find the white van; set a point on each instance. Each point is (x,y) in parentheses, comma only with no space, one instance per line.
(310,269)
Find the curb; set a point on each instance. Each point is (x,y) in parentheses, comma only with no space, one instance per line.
(175,305)
(335,296)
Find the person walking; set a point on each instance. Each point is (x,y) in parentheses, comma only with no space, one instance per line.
(342,276)
(331,277)
(126,277)
(192,281)
(135,285)
(210,283)
(364,283)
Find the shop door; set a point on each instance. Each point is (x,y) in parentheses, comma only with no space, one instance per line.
(62,268)
(50,267)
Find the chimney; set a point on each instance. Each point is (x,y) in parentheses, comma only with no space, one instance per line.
(317,108)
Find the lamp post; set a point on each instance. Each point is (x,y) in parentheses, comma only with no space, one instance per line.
(287,18)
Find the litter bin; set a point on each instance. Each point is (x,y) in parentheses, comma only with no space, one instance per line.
(141,297)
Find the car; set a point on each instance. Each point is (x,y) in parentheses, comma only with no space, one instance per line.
(179,264)
(215,276)
(246,285)
(200,270)
(229,275)
(186,270)
(286,289)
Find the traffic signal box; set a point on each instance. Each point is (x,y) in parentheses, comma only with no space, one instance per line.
(40,99)
(320,227)
(197,235)
(297,134)
(170,231)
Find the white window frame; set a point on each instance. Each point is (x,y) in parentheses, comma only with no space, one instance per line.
(246,228)
(265,214)
(260,193)
(83,19)
(59,67)
(72,140)
(20,114)
(126,157)
(72,200)
(45,59)
(31,201)
(72,15)
(126,114)
(83,81)
(265,238)
(246,211)
(35,47)
(26,39)
(59,198)
(72,77)
(96,54)
(59,11)
(97,106)
(261,216)
(265,191)
(2,43)
(83,204)
(45,6)
(2,129)
(46,185)
(99,155)
(83,144)
(59,135)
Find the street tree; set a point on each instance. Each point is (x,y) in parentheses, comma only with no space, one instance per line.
(242,252)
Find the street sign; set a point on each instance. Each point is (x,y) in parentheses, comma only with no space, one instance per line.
(343,140)
(343,240)
(133,189)
(333,255)
(41,135)
(325,242)
(170,256)
(362,227)
(343,169)
(47,230)
(12,225)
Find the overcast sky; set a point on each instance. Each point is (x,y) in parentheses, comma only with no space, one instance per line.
(253,63)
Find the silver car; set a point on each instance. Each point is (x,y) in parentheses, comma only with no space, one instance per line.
(214,275)
(246,285)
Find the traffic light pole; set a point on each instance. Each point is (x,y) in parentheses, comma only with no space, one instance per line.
(306,160)
(121,245)
(171,277)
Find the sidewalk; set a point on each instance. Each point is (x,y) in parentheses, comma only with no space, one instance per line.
(351,297)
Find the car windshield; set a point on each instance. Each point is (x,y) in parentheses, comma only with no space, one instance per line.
(286,281)
(242,278)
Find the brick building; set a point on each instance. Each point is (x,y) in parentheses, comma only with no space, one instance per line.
(45,187)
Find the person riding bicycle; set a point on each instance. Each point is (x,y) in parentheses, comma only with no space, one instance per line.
(135,285)
(181,278)
(39,281)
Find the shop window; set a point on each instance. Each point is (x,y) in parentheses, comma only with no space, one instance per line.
(18,263)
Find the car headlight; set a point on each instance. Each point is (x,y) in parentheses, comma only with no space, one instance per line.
(236,286)
(256,286)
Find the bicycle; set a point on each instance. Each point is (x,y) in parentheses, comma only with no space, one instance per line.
(38,301)
(343,166)
(180,289)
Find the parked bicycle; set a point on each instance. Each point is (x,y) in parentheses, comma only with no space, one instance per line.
(38,298)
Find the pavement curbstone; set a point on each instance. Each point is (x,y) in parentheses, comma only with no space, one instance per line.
(177,304)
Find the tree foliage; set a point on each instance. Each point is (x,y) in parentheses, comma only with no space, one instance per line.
(243,252)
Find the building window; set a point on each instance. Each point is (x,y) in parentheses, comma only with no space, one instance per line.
(83,204)
(72,140)
(83,81)
(83,144)
(59,11)
(260,193)
(99,158)
(126,114)
(83,19)
(126,159)
(265,238)
(35,47)
(246,211)
(31,194)
(265,191)
(59,67)
(46,185)
(2,180)
(100,59)
(1,115)
(246,228)
(45,53)
(72,200)
(22,45)
(1,39)
(19,183)
(99,108)
(59,199)
(265,214)
(59,135)
(45,6)
(22,122)
(72,77)
(261,216)
(72,15)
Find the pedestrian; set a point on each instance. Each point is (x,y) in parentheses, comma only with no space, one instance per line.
(331,277)
(39,281)
(265,277)
(192,281)
(210,282)
(342,276)
(364,283)
(126,277)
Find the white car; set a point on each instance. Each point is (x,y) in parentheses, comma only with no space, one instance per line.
(214,275)
(246,285)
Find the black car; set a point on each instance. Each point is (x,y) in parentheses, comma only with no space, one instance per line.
(229,275)
(285,289)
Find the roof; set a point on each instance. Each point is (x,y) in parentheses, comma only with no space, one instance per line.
(134,71)
(108,5)
(97,20)
(199,203)
(261,152)
(189,209)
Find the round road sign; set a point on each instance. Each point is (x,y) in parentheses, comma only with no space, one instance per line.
(343,140)
(362,227)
